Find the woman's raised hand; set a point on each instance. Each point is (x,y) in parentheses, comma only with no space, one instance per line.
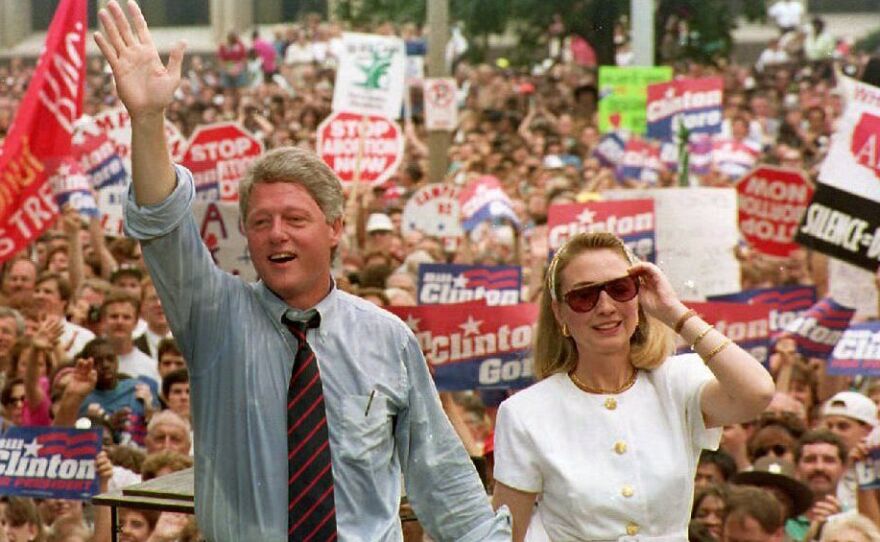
(143,83)
(656,294)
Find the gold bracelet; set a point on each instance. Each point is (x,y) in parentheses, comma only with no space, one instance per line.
(716,350)
(702,334)
(684,318)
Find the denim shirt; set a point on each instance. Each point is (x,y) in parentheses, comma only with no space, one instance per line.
(240,358)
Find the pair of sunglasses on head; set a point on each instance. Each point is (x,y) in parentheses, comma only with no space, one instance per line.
(585,298)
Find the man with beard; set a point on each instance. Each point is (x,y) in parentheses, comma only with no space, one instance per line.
(820,458)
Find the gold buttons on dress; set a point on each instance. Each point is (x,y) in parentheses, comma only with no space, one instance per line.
(620,447)
(627,491)
(611,403)
(632,529)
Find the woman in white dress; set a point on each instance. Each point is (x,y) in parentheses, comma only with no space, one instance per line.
(607,442)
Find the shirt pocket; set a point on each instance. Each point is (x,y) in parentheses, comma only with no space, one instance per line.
(367,437)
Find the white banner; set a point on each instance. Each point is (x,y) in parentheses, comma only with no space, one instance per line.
(370,78)
(853,160)
(854,287)
(696,234)
(218,224)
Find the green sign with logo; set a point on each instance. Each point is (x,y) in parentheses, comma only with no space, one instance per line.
(623,96)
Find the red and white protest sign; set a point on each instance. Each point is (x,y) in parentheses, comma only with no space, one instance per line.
(746,324)
(772,201)
(357,147)
(40,136)
(441,111)
(631,220)
(218,156)
(117,125)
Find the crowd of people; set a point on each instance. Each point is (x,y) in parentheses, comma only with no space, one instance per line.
(83,333)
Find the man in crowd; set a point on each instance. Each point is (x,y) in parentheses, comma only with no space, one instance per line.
(851,416)
(820,460)
(753,515)
(51,295)
(175,392)
(381,417)
(168,431)
(118,318)
(154,316)
(20,278)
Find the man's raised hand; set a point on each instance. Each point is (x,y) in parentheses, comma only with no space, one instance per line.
(143,83)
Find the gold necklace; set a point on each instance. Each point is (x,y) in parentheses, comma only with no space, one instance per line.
(601,391)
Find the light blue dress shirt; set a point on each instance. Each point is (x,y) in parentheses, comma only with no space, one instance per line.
(240,357)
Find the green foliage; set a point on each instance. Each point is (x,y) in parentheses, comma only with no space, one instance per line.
(870,43)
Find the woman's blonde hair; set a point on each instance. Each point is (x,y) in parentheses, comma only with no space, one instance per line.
(650,345)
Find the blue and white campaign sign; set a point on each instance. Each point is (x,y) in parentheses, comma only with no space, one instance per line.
(694,103)
(49,462)
(484,200)
(97,156)
(857,352)
(610,149)
(473,346)
(71,187)
(442,284)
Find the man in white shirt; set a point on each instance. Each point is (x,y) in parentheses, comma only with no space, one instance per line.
(51,294)
(118,318)
(157,326)
(128,279)
(786,14)
(851,416)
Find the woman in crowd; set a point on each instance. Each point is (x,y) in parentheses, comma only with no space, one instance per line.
(709,507)
(21,521)
(607,441)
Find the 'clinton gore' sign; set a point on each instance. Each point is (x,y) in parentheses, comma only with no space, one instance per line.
(453,283)
(474,346)
(631,220)
(746,324)
(771,203)
(694,103)
(786,303)
(357,148)
(857,352)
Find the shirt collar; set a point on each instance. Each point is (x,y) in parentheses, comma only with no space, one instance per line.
(278,308)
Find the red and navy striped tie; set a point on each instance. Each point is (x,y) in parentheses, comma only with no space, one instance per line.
(311,512)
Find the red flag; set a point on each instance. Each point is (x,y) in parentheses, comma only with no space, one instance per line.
(40,137)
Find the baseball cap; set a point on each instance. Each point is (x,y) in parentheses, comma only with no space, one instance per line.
(853,405)
(553,161)
(379,222)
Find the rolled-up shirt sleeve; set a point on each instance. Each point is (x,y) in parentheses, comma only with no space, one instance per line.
(143,222)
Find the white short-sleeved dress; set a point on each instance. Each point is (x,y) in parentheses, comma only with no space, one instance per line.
(608,467)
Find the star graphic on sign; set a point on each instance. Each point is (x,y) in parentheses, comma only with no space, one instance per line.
(460,281)
(471,327)
(33,448)
(413,322)
(63,170)
(586,217)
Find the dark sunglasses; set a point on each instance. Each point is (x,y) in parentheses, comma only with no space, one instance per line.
(778,450)
(584,298)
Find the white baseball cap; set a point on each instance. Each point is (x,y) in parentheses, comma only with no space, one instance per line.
(379,222)
(853,405)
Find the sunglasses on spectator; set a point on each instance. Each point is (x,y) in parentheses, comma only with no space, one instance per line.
(778,450)
(16,399)
(584,298)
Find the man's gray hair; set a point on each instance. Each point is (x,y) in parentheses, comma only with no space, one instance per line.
(7,312)
(298,166)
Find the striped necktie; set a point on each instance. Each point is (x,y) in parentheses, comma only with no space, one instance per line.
(311,512)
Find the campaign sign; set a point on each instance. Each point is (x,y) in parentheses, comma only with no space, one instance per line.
(441,109)
(772,201)
(694,103)
(485,200)
(818,329)
(641,162)
(97,156)
(357,148)
(71,187)
(116,123)
(371,74)
(746,324)
(443,284)
(609,151)
(623,95)
(220,230)
(843,225)
(473,346)
(433,210)
(49,462)
(733,158)
(786,303)
(868,469)
(218,156)
(631,220)
(857,352)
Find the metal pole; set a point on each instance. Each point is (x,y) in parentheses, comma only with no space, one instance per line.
(642,28)
(438,141)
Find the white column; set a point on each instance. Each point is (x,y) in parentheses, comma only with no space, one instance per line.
(642,17)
